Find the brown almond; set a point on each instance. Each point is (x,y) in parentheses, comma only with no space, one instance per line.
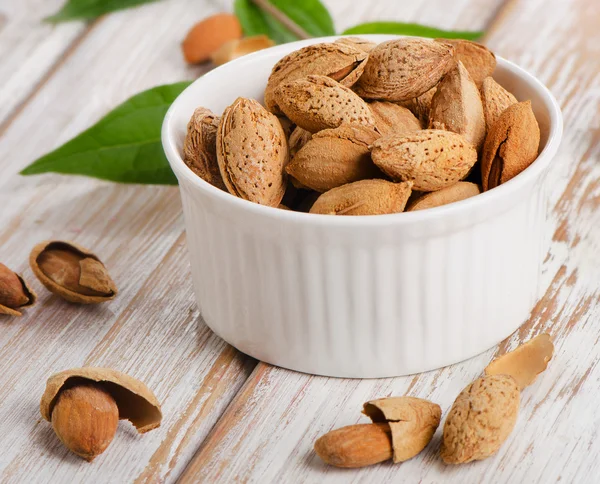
(511,145)
(341,62)
(526,362)
(14,292)
(413,421)
(495,100)
(357,42)
(72,272)
(365,197)
(135,400)
(403,69)
(208,35)
(200,147)
(236,48)
(391,118)
(421,106)
(298,139)
(356,445)
(335,157)
(454,193)
(456,106)
(318,102)
(252,152)
(432,159)
(481,419)
(478,59)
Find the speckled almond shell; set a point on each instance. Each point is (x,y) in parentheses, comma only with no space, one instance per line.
(252,152)
(365,197)
(495,100)
(478,59)
(481,419)
(511,145)
(318,102)
(200,147)
(335,157)
(94,274)
(28,293)
(454,193)
(432,159)
(357,42)
(340,61)
(413,422)
(135,400)
(392,118)
(456,106)
(403,69)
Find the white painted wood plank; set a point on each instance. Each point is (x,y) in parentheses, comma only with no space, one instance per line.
(267,439)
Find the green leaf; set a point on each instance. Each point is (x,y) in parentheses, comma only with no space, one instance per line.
(124,146)
(401,28)
(90,9)
(310,15)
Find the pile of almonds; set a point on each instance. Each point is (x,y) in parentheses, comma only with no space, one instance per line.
(355,128)
(479,422)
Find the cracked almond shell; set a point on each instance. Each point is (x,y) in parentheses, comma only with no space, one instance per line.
(403,69)
(14,292)
(365,197)
(135,400)
(413,421)
(392,118)
(200,147)
(431,159)
(511,145)
(478,59)
(454,193)
(456,106)
(526,362)
(495,101)
(72,272)
(318,102)
(298,138)
(339,61)
(481,419)
(335,157)
(252,152)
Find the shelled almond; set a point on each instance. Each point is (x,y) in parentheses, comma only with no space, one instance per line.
(406,114)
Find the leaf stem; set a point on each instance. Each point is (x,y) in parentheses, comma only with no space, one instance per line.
(282,18)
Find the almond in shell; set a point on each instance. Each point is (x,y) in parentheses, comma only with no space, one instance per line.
(335,157)
(454,193)
(495,100)
(365,197)
(357,42)
(403,69)
(252,152)
(318,102)
(391,118)
(456,106)
(200,147)
(511,145)
(341,62)
(481,419)
(478,59)
(432,159)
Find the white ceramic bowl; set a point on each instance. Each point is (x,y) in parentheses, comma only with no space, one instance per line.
(368,296)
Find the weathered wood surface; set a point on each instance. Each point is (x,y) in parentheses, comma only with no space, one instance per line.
(267,433)
(56,81)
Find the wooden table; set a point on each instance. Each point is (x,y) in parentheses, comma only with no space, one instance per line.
(227,417)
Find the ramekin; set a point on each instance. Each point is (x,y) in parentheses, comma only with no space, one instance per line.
(362,296)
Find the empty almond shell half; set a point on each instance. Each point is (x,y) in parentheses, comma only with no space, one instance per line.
(135,400)
(72,272)
(413,422)
(526,362)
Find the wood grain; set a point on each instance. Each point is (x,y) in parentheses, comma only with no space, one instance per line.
(262,438)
